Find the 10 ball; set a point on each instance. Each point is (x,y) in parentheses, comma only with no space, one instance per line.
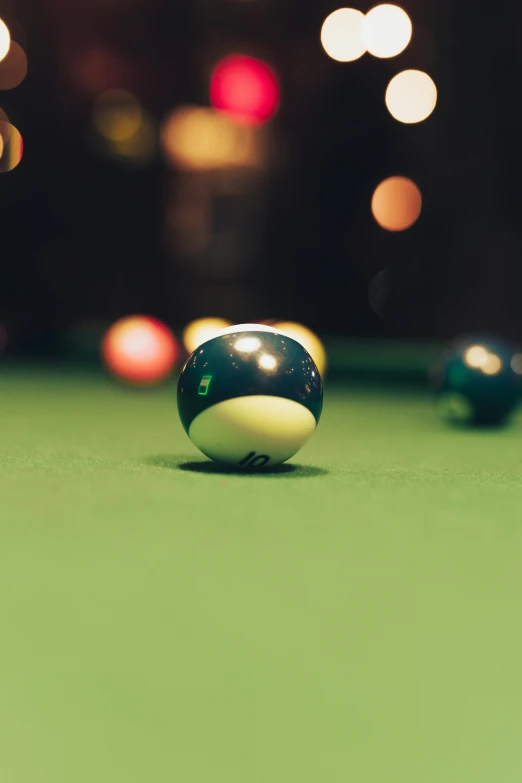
(250,397)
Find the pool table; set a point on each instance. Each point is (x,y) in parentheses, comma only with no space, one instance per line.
(355,616)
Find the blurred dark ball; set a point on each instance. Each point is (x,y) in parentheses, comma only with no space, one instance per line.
(476,382)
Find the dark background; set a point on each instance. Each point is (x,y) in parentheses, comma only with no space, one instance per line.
(83,236)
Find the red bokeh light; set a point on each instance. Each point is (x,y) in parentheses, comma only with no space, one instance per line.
(140,350)
(246,88)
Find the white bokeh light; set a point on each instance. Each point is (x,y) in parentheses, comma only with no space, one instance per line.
(5,40)
(341,35)
(386,30)
(411,96)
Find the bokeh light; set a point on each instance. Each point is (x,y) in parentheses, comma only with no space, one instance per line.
(308,339)
(196,138)
(13,68)
(12,147)
(140,148)
(201,330)
(245,88)
(396,203)
(386,30)
(516,363)
(117,115)
(5,40)
(125,131)
(411,96)
(140,350)
(341,35)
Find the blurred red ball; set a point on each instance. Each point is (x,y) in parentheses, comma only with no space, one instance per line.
(246,88)
(140,350)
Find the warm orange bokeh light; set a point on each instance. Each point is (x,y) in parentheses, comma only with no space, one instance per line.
(341,35)
(5,40)
(411,96)
(13,68)
(12,147)
(396,204)
(386,30)
(305,337)
(140,148)
(197,138)
(117,115)
(202,330)
(140,350)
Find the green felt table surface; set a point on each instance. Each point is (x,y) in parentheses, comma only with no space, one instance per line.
(357,618)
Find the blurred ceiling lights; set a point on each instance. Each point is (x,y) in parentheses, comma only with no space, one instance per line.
(386,31)
(141,147)
(245,88)
(126,131)
(117,115)
(411,96)
(396,203)
(12,147)
(13,68)
(341,35)
(5,40)
(197,138)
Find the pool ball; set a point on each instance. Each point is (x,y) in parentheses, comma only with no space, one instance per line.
(140,350)
(250,397)
(476,383)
